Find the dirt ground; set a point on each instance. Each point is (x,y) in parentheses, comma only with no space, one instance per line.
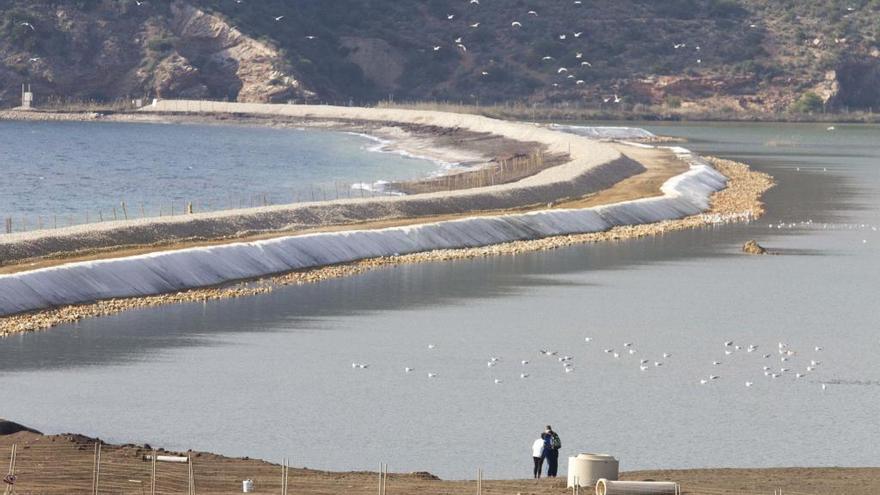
(65,464)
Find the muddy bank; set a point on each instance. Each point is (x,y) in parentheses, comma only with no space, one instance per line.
(740,201)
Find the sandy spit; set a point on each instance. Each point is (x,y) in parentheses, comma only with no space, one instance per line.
(591,167)
(740,201)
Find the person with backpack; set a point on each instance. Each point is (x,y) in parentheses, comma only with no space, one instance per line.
(552,444)
(538,456)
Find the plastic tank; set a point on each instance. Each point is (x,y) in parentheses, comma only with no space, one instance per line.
(587,469)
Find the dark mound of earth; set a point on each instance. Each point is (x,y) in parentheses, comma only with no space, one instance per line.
(9,428)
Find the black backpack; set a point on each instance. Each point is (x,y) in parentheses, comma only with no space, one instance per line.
(555,442)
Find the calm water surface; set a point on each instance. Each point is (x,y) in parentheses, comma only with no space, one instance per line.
(271,376)
(73,169)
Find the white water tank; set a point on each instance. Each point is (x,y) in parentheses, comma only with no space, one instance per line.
(247,486)
(586,469)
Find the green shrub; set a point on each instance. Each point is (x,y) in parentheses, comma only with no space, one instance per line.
(809,102)
(673,102)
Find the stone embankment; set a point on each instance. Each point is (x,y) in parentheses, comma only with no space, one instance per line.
(740,201)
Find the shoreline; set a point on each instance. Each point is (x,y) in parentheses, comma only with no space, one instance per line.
(590,167)
(124,470)
(517,111)
(739,201)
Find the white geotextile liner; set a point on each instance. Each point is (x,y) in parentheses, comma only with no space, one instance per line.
(604,132)
(172,271)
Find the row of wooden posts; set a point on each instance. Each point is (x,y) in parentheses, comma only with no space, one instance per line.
(125,212)
(504,170)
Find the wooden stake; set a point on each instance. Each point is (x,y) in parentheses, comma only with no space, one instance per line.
(11,488)
(192,478)
(153,474)
(97,469)
(124,210)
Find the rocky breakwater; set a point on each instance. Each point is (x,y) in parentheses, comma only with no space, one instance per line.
(739,201)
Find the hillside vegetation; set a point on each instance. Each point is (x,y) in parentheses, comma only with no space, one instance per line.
(732,55)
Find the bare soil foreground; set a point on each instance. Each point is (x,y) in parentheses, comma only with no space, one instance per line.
(66,465)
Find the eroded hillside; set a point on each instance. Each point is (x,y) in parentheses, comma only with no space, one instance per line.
(761,55)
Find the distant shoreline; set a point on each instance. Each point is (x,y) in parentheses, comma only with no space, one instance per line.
(512,111)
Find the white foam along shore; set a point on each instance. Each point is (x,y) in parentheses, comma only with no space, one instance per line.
(171,271)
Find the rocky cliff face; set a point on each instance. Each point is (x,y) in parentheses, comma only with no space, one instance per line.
(728,55)
(123,51)
(235,65)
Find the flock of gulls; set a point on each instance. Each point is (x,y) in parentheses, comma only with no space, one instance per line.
(783,361)
(566,73)
(809,224)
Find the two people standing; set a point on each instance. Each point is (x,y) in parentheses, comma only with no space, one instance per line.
(546,447)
